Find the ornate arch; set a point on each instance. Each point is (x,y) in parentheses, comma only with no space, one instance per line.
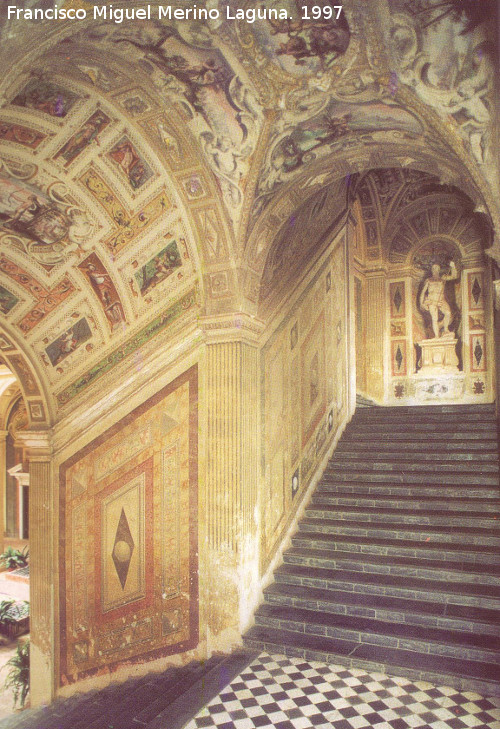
(39,407)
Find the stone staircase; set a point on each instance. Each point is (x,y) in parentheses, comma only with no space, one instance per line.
(395,566)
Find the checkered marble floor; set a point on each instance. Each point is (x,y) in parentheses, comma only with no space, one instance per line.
(290,693)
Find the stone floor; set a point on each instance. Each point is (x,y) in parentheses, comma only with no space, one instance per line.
(290,693)
(269,691)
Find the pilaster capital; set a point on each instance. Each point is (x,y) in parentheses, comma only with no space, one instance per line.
(376,273)
(37,444)
(234,327)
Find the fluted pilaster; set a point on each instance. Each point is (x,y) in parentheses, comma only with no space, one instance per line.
(43,565)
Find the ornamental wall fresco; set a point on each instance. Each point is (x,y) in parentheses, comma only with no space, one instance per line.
(304,393)
(128,552)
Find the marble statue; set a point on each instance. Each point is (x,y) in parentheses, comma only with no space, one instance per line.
(433,300)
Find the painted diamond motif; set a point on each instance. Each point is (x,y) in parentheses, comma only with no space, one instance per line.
(398,299)
(399,358)
(478,352)
(123,549)
(476,290)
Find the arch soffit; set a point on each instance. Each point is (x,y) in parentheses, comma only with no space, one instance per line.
(357,160)
(39,405)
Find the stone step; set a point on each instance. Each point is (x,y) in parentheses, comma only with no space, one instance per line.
(373,631)
(458,593)
(446,477)
(344,455)
(416,418)
(437,429)
(396,562)
(397,490)
(391,435)
(464,468)
(445,534)
(455,571)
(447,448)
(462,674)
(431,410)
(476,554)
(404,516)
(406,502)
(425,612)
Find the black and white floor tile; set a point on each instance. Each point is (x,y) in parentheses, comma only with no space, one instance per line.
(290,693)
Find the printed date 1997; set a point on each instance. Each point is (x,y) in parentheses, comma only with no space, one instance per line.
(321,12)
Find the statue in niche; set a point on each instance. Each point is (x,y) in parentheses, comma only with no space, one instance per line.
(433,300)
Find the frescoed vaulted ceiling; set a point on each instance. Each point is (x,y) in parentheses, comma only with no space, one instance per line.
(150,172)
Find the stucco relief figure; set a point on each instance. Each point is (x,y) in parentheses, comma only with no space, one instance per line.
(433,299)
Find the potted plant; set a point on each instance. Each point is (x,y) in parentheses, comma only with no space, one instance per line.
(18,676)
(14,617)
(13,559)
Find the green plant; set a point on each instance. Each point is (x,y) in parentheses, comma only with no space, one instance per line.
(18,677)
(14,558)
(11,611)
(5,611)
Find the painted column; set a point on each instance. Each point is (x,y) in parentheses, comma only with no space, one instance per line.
(375,333)
(231,476)
(38,453)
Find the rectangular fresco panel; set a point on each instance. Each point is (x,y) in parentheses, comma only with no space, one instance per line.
(7,300)
(313,378)
(118,604)
(122,518)
(158,268)
(477,350)
(47,97)
(475,287)
(81,139)
(21,135)
(398,352)
(72,339)
(397,299)
(125,155)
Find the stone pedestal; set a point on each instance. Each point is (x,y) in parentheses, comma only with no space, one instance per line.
(439,357)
